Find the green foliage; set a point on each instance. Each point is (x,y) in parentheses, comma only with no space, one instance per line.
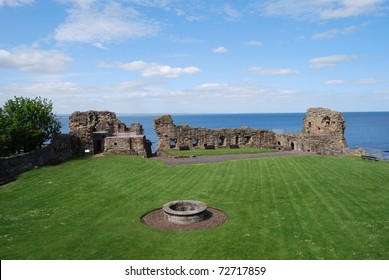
(278,208)
(25,124)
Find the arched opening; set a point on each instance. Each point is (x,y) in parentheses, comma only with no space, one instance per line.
(195,142)
(220,141)
(292,146)
(246,138)
(172,143)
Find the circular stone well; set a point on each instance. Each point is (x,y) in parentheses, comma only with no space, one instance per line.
(184,211)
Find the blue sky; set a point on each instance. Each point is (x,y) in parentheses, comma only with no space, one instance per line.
(196,56)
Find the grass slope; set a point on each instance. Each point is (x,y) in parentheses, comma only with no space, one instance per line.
(278,208)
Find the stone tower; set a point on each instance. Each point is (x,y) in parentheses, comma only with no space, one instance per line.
(323,132)
(324,121)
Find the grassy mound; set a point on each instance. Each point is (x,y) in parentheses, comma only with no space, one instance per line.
(278,208)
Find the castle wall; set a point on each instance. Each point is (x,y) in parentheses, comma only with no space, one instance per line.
(63,147)
(125,145)
(322,133)
(172,136)
(98,132)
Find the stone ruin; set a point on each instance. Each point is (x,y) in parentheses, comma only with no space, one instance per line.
(96,132)
(184,137)
(322,133)
(102,132)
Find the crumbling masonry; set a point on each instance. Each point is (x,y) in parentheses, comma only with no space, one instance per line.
(102,132)
(322,133)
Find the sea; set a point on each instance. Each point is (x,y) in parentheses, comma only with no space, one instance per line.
(367,130)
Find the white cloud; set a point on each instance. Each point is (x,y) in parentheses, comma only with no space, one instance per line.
(272,71)
(254,43)
(333,33)
(220,50)
(185,40)
(323,9)
(32,60)
(370,81)
(15,3)
(212,87)
(152,3)
(150,69)
(133,66)
(335,82)
(100,46)
(231,92)
(385,91)
(367,81)
(231,12)
(166,71)
(350,8)
(332,60)
(97,23)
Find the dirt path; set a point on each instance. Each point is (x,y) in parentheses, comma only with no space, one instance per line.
(221,158)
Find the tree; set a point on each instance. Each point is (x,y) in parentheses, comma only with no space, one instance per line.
(26,124)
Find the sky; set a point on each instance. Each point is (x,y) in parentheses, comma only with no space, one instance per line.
(196,56)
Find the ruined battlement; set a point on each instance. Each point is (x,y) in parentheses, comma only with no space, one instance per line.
(323,121)
(184,137)
(322,133)
(102,132)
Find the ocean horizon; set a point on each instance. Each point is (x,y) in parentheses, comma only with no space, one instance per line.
(367,130)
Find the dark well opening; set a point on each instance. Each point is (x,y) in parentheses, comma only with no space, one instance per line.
(183,206)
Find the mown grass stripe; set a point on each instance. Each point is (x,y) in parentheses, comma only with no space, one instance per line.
(278,208)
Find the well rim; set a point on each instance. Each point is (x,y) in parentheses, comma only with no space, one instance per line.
(201,207)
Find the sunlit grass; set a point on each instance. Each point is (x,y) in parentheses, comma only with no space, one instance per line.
(278,208)
(202,152)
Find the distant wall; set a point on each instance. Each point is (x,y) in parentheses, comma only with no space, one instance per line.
(173,136)
(322,133)
(63,147)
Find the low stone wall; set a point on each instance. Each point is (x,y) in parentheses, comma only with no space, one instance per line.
(63,147)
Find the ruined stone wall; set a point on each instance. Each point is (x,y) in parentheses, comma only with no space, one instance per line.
(123,145)
(85,124)
(94,128)
(323,130)
(322,133)
(172,136)
(63,147)
(319,121)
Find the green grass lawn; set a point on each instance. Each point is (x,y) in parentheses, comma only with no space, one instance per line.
(278,208)
(202,152)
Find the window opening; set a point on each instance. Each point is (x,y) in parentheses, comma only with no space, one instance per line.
(195,142)
(173,143)
(246,138)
